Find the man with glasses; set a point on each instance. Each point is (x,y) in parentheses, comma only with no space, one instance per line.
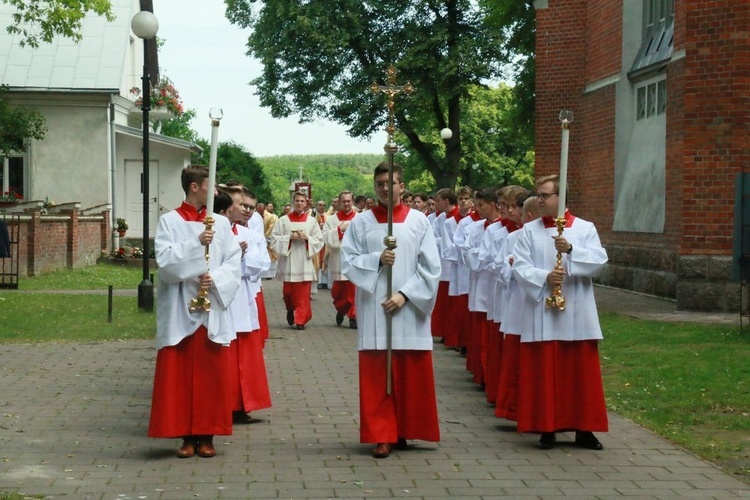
(560,382)
(410,410)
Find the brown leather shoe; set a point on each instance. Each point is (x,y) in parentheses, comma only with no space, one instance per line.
(382,450)
(188,448)
(206,449)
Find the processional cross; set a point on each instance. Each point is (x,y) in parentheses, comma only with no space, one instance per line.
(391,90)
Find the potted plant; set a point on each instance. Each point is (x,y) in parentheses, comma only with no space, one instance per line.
(10,198)
(122,226)
(164,96)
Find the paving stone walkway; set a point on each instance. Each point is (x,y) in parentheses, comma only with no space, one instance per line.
(73,421)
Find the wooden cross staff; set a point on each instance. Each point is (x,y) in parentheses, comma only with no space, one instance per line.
(391,90)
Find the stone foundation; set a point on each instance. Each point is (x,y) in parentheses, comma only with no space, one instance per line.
(696,282)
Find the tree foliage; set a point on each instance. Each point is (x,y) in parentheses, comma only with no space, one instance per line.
(319,58)
(234,162)
(179,126)
(17,124)
(38,21)
(328,174)
(497,149)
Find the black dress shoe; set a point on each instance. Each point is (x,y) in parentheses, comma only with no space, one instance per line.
(547,441)
(339,319)
(290,317)
(588,440)
(353,323)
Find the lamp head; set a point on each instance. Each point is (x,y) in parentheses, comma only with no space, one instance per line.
(566,116)
(216,114)
(446,134)
(145,25)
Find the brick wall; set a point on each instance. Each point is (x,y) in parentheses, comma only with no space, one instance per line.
(716,99)
(51,242)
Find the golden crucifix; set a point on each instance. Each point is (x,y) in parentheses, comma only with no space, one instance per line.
(391,90)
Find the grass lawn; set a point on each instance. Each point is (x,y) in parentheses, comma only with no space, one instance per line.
(689,382)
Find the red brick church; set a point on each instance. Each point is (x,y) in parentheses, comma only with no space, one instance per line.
(660,91)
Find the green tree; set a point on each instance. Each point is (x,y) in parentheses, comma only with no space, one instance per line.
(497,148)
(17,124)
(319,58)
(516,20)
(39,21)
(179,127)
(234,162)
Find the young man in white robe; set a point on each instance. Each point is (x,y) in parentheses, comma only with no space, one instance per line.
(560,382)
(250,390)
(410,411)
(514,314)
(296,239)
(191,382)
(342,290)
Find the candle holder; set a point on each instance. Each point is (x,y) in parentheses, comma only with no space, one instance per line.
(202,302)
(557,299)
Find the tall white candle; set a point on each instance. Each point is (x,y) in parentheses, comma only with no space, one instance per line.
(565,117)
(216,115)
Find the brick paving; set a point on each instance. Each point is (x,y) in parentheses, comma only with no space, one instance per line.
(73,420)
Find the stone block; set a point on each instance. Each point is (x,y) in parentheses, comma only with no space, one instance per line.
(720,267)
(692,267)
(698,295)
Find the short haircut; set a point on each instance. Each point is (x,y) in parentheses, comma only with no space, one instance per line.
(360,199)
(516,194)
(421,196)
(465,191)
(406,194)
(222,201)
(487,195)
(299,193)
(446,194)
(342,193)
(382,168)
(555,179)
(193,174)
(531,205)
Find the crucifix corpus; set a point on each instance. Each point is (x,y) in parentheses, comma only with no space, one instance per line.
(391,90)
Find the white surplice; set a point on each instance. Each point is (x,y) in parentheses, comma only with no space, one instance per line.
(181,260)
(492,242)
(454,233)
(295,256)
(254,263)
(535,258)
(416,273)
(332,238)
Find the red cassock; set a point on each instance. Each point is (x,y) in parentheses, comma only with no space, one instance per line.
(260,301)
(191,389)
(494,359)
(560,387)
(506,399)
(342,294)
(410,412)
(249,380)
(297,298)
(439,317)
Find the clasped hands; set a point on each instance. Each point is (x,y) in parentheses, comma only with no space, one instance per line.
(298,235)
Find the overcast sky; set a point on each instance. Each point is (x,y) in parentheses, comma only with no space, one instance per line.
(204,56)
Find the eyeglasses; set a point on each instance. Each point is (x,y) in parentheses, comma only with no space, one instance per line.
(545,196)
(248,207)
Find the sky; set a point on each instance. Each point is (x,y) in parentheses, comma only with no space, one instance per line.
(204,56)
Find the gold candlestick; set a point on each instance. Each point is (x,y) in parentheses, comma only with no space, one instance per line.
(202,302)
(557,299)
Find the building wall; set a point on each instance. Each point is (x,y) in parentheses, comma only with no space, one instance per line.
(582,64)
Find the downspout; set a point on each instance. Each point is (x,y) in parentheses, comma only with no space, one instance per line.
(112,173)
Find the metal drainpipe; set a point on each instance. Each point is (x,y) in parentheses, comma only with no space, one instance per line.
(112,172)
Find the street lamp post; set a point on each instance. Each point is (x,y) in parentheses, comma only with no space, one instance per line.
(145,25)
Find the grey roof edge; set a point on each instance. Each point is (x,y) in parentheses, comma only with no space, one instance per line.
(161,139)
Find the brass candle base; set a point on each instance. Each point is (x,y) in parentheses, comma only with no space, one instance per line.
(557,299)
(202,302)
